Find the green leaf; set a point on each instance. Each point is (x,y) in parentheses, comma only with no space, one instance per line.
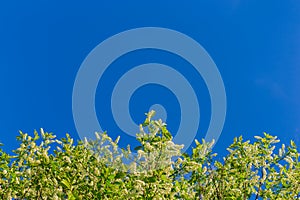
(138,148)
(151,179)
(66,183)
(71,196)
(293,144)
(120,175)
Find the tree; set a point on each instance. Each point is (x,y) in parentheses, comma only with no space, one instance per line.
(99,169)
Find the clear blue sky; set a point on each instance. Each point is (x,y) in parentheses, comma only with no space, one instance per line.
(255,44)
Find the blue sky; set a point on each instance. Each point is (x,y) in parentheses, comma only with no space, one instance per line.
(255,44)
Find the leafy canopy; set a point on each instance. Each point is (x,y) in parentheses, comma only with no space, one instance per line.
(44,167)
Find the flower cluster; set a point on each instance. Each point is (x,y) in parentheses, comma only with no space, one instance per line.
(44,167)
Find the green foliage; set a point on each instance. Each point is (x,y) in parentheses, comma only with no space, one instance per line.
(99,169)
